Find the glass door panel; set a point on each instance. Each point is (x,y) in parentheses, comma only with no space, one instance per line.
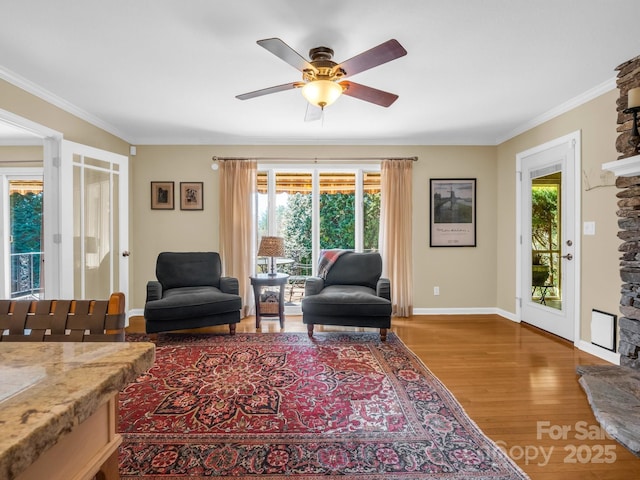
(293,215)
(371,211)
(96,228)
(97,234)
(262,205)
(25,225)
(546,237)
(294,224)
(337,211)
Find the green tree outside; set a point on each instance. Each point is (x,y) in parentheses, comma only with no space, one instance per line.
(26,231)
(337,223)
(545,226)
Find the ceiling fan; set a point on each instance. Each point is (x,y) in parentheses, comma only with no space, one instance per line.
(323,79)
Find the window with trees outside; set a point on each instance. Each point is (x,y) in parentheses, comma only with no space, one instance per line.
(316,209)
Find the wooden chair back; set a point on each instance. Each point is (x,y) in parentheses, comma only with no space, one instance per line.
(63,320)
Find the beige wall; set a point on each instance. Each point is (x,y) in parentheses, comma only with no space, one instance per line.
(599,264)
(466,276)
(26,156)
(19,102)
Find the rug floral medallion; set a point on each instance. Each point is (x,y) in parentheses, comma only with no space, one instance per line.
(281,405)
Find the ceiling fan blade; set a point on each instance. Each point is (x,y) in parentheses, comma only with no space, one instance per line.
(383,53)
(267,91)
(286,53)
(368,94)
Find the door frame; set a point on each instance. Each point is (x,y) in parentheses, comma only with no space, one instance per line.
(57,245)
(576,235)
(51,141)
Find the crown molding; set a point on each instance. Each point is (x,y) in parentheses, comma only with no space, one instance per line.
(36,90)
(59,102)
(565,107)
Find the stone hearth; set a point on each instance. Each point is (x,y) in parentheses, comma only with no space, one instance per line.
(614,396)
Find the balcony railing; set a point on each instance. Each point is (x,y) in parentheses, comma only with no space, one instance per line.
(25,275)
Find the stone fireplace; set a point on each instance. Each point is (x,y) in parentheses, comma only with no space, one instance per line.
(627,170)
(614,391)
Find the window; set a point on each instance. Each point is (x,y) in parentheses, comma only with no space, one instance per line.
(21,198)
(317,208)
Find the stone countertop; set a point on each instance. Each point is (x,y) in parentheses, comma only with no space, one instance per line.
(48,388)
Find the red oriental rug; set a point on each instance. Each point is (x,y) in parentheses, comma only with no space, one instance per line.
(283,405)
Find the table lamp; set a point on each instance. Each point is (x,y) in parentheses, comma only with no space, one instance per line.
(271,247)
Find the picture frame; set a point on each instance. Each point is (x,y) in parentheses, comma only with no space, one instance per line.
(452,213)
(162,196)
(191,196)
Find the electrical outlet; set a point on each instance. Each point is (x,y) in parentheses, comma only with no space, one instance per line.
(436,290)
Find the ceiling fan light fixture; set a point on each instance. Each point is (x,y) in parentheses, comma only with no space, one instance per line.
(322,93)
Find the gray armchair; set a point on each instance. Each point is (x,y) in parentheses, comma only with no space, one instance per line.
(352,294)
(190,293)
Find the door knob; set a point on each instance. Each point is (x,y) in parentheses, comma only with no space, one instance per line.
(568,256)
(126,253)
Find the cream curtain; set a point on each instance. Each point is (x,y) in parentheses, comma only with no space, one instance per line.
(237,191)
(396,211)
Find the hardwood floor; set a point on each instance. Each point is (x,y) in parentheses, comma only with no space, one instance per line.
(516,382)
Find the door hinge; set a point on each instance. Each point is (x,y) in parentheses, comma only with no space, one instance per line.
(57,238)
(56,161)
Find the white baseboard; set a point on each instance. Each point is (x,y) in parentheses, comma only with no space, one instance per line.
(508,315)
(136,312)
(599,352)
(466,311)
(594,350)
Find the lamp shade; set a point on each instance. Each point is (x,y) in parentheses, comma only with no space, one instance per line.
(322,93)
(634,98)
(271,247)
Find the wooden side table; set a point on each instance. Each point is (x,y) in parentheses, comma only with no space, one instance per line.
(266,280)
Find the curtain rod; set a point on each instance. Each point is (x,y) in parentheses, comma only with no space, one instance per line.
(314,159)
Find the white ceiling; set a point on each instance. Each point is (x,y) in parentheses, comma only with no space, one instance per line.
(168,71)
(12,135)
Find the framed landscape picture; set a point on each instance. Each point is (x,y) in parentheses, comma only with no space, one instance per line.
(162,196)
(453,212)
(191,196)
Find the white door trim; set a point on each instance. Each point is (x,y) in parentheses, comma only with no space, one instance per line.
(574,137)
(51,140)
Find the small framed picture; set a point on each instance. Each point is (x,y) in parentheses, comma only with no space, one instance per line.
(453,212)
(191,196)
(162,196)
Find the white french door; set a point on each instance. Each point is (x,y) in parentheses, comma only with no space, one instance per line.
(94,221)
(548,249)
